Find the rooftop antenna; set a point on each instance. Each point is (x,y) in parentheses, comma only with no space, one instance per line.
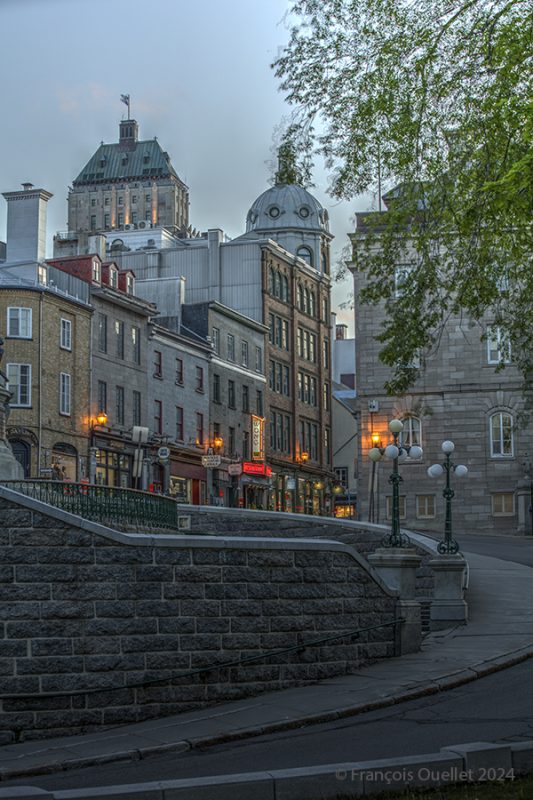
(125,98)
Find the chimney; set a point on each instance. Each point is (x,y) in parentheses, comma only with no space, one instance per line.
(26,224)
(341,331)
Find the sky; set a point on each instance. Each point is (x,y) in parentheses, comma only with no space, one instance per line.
(199,77)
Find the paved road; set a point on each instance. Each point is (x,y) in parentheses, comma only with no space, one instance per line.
(498,707)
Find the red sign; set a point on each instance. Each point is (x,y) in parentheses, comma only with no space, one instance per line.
(251,468)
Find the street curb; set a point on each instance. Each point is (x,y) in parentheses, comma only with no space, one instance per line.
(456,764)
(443,683)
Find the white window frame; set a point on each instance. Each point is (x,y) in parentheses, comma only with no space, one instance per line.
(422,510)
(23,320)
(65,393)
(406,437)
(14,385)
(498,349)
(500,415)
(403,506)
(401,274)
(97,273)
(65,334)
(503,512)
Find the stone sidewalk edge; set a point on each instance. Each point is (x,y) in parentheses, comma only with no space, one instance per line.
(443,683)
(455,764)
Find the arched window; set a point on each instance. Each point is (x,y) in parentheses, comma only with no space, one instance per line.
(277,285)
(312,304)
(306,307)
(301,305)
(285,288)
(501,435)
(271,281)
(412,432)
(306,254)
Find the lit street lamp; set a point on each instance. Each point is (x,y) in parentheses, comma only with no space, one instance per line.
(448,545)
(397,452)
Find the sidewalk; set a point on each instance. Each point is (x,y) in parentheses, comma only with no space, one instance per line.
(499,634)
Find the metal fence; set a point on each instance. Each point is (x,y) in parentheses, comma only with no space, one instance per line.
(121,508)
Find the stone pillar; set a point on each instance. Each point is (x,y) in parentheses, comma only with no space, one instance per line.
(524,499)
(448,607)
(397,566)
(10,469)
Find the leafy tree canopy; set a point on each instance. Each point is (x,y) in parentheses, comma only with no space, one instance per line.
(432,97)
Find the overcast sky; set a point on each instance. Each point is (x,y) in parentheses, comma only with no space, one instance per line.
(199,79)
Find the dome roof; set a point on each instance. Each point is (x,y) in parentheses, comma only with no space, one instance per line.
(286,206)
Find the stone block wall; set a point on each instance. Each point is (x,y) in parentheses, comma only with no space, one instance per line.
(101,628)
(365,539)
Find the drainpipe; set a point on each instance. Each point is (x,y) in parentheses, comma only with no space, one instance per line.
(40,414)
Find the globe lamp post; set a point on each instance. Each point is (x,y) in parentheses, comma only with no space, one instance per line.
(397,452)
(448,546)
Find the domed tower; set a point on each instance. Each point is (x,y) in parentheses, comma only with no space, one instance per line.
(290,215)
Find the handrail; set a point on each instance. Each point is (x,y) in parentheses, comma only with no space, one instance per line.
(209,667)
(102,503)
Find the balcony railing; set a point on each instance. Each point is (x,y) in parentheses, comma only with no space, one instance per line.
(120,508)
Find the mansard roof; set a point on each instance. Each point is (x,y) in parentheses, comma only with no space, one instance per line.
(141,161)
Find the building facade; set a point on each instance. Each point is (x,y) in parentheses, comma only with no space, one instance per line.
(459,396)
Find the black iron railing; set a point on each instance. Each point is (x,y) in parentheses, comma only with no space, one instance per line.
(122,508)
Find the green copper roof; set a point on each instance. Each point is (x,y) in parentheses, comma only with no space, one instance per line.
(139,161)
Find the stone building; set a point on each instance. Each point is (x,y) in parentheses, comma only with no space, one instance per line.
(45,320)
(126,185)
(458,396)
(236,403)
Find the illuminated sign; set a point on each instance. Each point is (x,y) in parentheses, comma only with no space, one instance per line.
(250,468)
(258,448)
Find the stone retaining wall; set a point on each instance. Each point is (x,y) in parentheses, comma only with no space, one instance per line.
(97,626)
(365,539)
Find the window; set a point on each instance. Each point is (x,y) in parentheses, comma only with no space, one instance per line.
(93,222)
(179,371)
(65,335)
(119,335)
(498,349)
(158,364)
(102,333)
(300,297)
(96,270)
(327,445)
(199,428)
(107,220)
(136,416)
(199,379)
(402,506)
(136,342)
(120,200)
(309,438)
(501,435)
(285,335)
(119,405)
(134,198)
(231,394)
(245,445)
(325,354)
(277,284)
(244,353)
(231,441)
(216,388)
(215,340)
(284,288)
(325,315)
(259,403)
(130,284)
(102,396)
(93,202)
(280,432)
(245,399)
(19,380)
(147,197)
(341,474)
(179,424)
(64,393)
(326,397)
(401,277)
(120,219)
(158,416)
(231,347)
(425,506)
(258,359)
(306,254)
(271,328)
(106,201)
(42,275)
(412,432)
(502,504)
(19,322)
(271,280)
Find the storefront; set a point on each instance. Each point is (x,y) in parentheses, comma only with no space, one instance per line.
(112,462)
(255,485)
(188,482)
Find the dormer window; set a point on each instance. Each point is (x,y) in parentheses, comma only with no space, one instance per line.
(102,162)
(113,278)
(124,160)
(130,284)
(96,271)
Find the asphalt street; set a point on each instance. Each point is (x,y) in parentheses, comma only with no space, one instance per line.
(496,708)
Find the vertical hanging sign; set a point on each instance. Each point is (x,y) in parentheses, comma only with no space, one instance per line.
(258,448)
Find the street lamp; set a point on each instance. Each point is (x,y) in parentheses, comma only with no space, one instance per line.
(397,452)
(301,458)
(99,420)
(448,545)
